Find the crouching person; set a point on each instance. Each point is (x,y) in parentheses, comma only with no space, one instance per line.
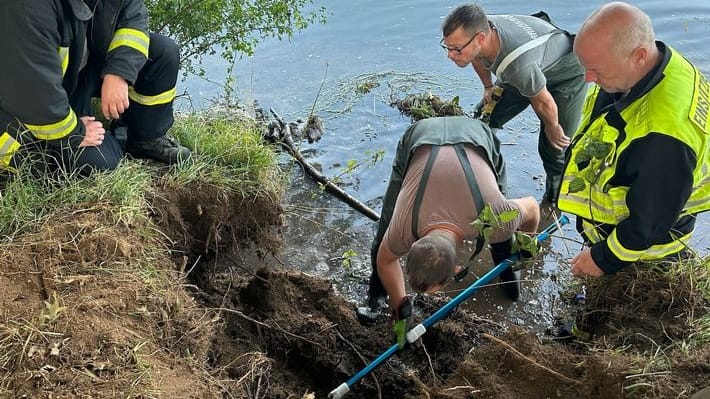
(57,56)
(445,170)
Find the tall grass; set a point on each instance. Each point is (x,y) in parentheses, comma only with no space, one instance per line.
(227,152)
(27,202)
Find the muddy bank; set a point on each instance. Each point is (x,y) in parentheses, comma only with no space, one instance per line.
(193,303)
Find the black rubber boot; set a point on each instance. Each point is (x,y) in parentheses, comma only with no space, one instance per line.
(376,301)
(511,283)
(500,251)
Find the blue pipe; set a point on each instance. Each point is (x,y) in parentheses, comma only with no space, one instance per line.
(416,332)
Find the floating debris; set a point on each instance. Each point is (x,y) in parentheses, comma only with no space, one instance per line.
(422,106)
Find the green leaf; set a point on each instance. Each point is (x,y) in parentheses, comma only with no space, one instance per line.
(347,257)
(600,149)
(583,155)
(577,185)
(523,241)
(228,28)
(455,100)
(399,328)
(507,216)
(352,164)
(590,175)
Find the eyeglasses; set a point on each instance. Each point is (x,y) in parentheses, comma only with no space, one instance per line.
(457,50)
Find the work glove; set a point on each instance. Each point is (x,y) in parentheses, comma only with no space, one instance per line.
(401,316)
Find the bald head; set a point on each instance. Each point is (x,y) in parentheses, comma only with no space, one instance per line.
(618,26)
(616,46)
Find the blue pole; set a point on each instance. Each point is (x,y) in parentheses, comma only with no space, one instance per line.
(416,332)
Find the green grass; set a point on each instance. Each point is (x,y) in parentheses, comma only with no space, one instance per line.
(226,152)
(26,203)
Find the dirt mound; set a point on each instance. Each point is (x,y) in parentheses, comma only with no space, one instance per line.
(287,334)
(91,309)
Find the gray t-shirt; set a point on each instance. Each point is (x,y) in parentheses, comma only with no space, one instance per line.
(552,61)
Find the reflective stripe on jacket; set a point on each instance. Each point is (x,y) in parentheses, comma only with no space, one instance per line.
(44,44)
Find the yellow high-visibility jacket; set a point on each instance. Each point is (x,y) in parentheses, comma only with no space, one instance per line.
(638,169)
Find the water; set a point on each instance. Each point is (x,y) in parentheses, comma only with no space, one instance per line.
(396,44)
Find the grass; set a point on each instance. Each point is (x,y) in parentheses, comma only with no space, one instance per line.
(658,315)
(104,267)
(228,152)
(26,204)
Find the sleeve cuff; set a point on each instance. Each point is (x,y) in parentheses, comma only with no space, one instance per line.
(605,259)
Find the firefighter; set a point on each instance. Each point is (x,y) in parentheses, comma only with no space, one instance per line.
(637,170)
(57,56)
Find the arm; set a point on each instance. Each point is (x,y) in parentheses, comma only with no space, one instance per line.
(531,214)
(31,72)
(126,55)
(486,79)
(655,199)
(546,108)
(128,51)
(391,275)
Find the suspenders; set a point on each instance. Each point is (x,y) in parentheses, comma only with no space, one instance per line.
(470,179)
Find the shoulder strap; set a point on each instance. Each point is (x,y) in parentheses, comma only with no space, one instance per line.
(470,179)
(513,55)
(422,187)
(470,176)
(473,186)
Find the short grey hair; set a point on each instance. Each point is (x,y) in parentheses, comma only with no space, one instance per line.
(639,33)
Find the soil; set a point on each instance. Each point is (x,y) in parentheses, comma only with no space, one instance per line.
(94,308)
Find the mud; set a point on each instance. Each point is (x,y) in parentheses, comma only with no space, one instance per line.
(204,309)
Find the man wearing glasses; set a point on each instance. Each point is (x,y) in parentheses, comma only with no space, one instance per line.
(534,64)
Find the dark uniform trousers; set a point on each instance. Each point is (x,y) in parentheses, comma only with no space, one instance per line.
(144,122)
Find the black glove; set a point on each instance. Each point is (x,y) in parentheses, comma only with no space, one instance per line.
(401,319)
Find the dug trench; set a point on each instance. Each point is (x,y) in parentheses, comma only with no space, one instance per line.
(204,310)
(286,334)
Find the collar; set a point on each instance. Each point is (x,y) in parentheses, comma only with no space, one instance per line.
(648,82)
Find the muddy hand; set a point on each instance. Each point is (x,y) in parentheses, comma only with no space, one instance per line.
(583,265)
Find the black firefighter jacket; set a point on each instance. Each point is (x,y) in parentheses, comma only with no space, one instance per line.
(44,44)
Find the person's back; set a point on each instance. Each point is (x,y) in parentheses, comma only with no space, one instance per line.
(445,171)
(553,59)
(447,197)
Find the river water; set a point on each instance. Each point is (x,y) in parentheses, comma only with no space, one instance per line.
(396,45)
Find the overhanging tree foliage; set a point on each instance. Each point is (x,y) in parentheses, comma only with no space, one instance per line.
(206,27)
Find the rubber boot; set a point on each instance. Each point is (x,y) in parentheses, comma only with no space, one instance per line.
(500,251)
